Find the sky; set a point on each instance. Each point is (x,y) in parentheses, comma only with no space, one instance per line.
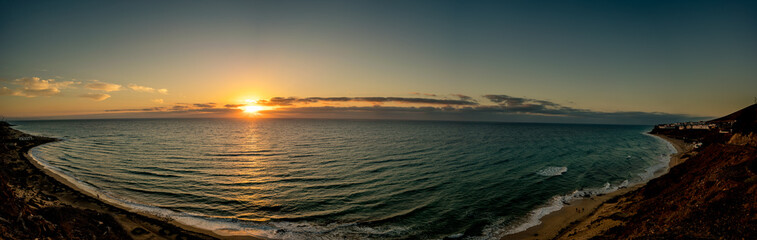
(626,62)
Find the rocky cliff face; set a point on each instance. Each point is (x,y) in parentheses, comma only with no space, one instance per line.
(28,213)
(712,195)
(744,139)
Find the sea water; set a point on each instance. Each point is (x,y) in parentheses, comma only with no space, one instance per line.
(355,179)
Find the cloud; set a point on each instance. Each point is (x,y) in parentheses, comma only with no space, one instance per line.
(103,86)
(482,113)
(503,108)
(424,94)
(415,100)
(179,107)
(204,105)
(280,101)
(35,87)
(147,89)
(234,105)
(528,105)
(141,88)
(516,101)
(159,100)
(8,91)
(95,96)
(464,97)
(35,83)
(193,108)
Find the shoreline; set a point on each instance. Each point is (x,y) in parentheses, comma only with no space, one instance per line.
(552,225)
(45,189)
(556,223)
(64,179)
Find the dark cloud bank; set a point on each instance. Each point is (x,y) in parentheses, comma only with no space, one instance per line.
(500,108)
(279,101)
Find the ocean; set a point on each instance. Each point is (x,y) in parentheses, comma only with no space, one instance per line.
(354,179)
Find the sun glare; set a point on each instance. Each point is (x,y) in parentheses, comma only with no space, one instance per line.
(252,109)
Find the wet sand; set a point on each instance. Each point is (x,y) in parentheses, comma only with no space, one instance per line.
(95,203)
(43,190)
(558,224)
(144,226)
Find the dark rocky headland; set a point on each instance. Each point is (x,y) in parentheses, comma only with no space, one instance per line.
(34,205)
(711,195)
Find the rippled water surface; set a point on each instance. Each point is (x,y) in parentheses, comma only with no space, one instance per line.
(287,178)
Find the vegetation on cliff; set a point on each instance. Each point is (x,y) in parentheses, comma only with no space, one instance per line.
(712,195)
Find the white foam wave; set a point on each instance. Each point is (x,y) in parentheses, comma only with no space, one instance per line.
(499,229)
(554,204)
(662,164)
(307,230)
(552,171)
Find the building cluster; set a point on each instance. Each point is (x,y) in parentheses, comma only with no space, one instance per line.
(721,126)
(688,125)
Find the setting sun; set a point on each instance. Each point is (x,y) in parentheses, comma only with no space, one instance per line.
(378,119)
(251,109)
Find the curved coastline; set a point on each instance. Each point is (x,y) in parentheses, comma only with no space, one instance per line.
(184,221)
(222,230)
(561,212)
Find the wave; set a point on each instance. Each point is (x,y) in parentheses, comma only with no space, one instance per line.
(499,229)
(274,226)
(242,154)
(554,204)
(552,171)
(151,174)
(663,162)
(228,226)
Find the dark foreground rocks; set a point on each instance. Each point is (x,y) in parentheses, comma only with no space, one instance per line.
(34,205)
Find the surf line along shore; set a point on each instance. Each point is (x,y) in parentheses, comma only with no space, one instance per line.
(579,210)
(41,203)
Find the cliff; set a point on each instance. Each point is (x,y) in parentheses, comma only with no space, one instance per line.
(29,214)
(711,195)
(34,205)
(744,120)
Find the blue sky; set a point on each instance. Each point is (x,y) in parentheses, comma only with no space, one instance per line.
(688,58)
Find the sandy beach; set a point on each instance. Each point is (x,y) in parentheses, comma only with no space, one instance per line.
(557,224)
(40,192)
(45,192)
(49,189)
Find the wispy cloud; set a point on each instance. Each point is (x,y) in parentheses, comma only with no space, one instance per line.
(7,91)
(503,108)
(103,86)
(234,105)
(95,96)
(289,101)
(186,108)
(145,89)
(204,105)
(481,113)
(423,94)
(35,87)
(159,100)
(464,97)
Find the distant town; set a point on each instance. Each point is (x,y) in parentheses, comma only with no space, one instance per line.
(716,130)
(722,126)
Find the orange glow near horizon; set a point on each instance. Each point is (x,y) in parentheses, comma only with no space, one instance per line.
(252,109)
